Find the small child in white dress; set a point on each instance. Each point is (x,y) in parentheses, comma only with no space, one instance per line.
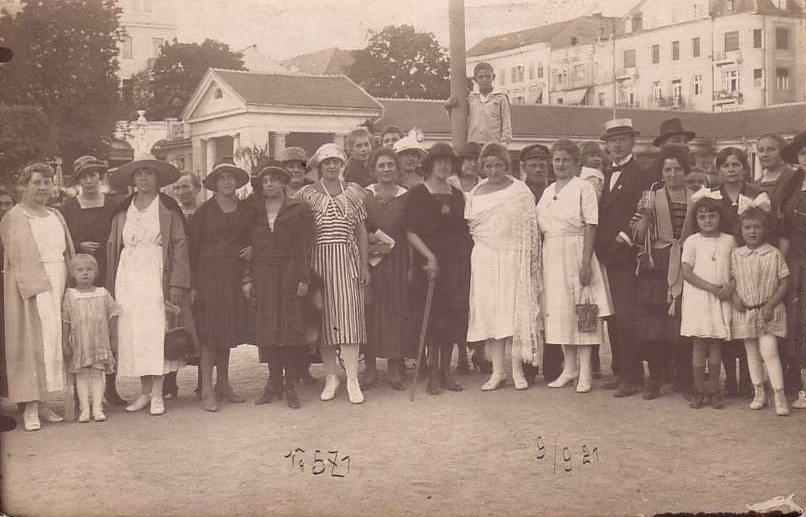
(707,290)
(759,317)
(89,317)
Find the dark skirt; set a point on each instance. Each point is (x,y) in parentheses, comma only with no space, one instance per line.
(222,306)
(388,324)
(278,311)
(450,306)
(653,323)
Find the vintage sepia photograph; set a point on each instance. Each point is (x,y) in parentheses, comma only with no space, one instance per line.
(408,258)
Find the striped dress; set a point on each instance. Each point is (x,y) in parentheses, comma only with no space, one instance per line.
(335,257)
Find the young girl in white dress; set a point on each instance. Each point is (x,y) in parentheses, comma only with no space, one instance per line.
(707,290)
(89,317)
(759,316)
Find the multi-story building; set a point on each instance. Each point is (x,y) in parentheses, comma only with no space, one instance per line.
(703,55)
(522,60)
(148,24)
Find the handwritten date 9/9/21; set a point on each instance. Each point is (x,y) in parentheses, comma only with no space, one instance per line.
(321,461)
(564,458)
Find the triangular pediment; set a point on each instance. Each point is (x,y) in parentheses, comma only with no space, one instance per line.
(213,96)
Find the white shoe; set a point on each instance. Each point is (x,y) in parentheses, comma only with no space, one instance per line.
(800,403)
(583,386)
(84,416)
(48,415)
(518,379)
(331,385)
(139,404)
(493,383)
(30,417)
(562,381)
(157,406)
(759,398)
(98,414)
(354,391)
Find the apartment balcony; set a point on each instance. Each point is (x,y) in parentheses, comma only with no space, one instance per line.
(670,102)
(622,74)
(728,97)
(727,58)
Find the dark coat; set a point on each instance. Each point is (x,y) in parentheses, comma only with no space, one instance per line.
(616,209)
(280,261)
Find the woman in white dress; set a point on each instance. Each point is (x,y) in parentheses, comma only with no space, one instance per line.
(148,263)
(505,278)
(568,214)
(36,245)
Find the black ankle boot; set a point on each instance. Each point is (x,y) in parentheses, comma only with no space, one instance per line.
(291,398)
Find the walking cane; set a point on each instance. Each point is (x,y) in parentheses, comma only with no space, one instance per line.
(429,296)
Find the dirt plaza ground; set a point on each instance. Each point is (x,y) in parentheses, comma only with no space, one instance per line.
(538,452)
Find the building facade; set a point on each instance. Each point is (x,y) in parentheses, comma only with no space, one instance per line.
(148,25)
(703,55)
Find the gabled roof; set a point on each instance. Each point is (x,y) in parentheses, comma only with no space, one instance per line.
(585,28)
(335,91)
(588,122)
(256,61)
(331,61)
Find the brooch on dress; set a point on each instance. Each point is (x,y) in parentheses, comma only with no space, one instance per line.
(446,209)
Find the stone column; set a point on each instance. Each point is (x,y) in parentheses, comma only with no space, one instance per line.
(211,156)
(340,139)
(277,144)
(236,143)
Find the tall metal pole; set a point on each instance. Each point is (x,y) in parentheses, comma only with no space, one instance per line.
(456,19)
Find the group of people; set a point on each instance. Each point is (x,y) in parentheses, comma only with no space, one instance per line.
(394,240)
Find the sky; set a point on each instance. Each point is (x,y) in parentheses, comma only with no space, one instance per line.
(286,28)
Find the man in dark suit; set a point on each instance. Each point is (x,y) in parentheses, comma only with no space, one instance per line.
(625,181)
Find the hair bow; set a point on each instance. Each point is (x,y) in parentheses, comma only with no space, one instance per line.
(762,202)
(706,192)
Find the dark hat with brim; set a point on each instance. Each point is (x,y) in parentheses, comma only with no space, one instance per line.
(241,176)
(670,128)
(790,152)
(438,150)
(85,164)
(618,126)
(275,171)
(534,151)
(166,173)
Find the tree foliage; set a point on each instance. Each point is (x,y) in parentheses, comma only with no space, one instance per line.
(177,71)
(66,64)
(399,62)
(26,135)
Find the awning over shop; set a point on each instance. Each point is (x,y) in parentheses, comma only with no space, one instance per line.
(574,97)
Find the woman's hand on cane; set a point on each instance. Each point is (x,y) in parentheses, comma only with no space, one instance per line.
(431,268)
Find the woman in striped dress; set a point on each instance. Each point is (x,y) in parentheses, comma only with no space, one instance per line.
(339,256)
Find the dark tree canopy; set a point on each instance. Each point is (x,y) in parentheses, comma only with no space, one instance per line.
(66,64)
(399,62)
(175,75)
(26,135)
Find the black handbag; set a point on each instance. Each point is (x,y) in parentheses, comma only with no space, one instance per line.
(178,343)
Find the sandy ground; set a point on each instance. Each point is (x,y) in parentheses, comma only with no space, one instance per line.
(455,454)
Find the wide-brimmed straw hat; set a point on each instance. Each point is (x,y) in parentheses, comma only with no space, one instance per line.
(85,164)
(325,151)
(409,143)
(241,176)
(672,127)
(790,152)
(438,150)
(618,126)
(166,173)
